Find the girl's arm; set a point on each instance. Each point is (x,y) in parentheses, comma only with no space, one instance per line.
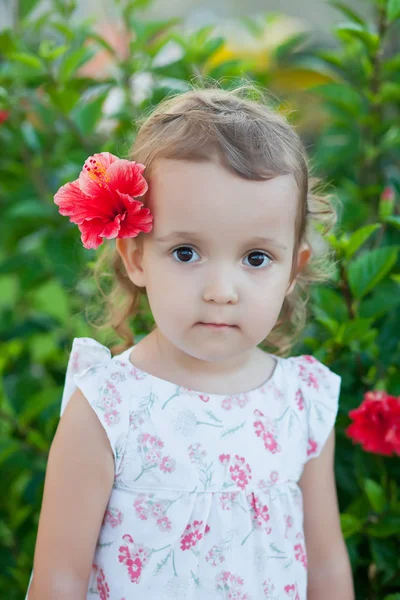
(329,571)
(78,484)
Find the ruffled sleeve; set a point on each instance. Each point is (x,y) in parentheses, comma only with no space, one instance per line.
(317,398)
(92,370)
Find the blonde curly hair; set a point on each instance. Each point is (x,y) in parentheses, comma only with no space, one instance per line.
(252,140)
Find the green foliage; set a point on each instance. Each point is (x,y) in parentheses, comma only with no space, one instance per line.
(59,107)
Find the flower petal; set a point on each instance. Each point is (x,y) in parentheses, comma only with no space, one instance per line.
(126,177)
(91,233)
(138,218)
(93,178)
(94,231)
(74,204)
(111,229)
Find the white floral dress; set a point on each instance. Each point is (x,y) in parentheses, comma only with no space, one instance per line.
(205,502)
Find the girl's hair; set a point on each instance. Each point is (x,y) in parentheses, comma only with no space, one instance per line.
(256,143)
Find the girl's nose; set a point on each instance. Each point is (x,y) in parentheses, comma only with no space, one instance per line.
(221,290)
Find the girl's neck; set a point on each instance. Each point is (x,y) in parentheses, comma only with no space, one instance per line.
(154,354)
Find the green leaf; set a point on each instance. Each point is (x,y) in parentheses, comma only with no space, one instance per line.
(355,330)
(393,10)
(395,221)
(25,7)
(72,62)
(38,403)
(286,49)
(9,290)
(392,597)
(29,60)
(359,237)
(386,527)
(382,300)
(367,270)
(7,42)
(391,139)
(348,12)
(52,299)
(355,30)
(350,524)
(375,495)
(48,50)
(327,303)
(385,554)
(212,46)
(87,115)
(390,92)
(64,99)
(342,96)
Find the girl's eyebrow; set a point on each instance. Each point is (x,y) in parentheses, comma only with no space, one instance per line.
(195,236)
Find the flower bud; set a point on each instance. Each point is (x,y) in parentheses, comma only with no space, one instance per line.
(386,204)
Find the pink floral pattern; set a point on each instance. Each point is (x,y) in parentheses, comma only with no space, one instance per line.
(147,508)
(102,586)
(205,492)
(113,516)
(264,428)
(134,556)
(312,447)
(239,469)
(300,550)
(150,447)
(260,512)
(300,399)
(231,585)
(239,401)
(193,534)
(292,591)
(217,553)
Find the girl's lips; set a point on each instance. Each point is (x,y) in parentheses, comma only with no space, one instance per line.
(217,325)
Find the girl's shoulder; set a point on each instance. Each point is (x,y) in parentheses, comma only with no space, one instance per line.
(101,378)
(306,369)
(314,389)
(89,362)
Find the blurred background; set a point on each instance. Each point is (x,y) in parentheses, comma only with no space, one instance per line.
(75,79)
(318,14)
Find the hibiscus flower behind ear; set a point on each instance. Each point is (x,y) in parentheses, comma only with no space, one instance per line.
(102,200)
(376,424)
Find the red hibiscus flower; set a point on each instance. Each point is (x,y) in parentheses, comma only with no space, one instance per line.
(376,424)
(101,201)
(4,114)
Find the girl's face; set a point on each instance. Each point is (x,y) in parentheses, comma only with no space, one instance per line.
(220,252)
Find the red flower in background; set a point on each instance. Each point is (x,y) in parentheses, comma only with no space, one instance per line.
(376,424)
(101,201)
(4,114)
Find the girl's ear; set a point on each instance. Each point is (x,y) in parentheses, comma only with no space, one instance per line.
(303,257)
(131,254)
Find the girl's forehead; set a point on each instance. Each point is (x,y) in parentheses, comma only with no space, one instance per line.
(206,198)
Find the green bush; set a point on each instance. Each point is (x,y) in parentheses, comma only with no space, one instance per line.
(57,106)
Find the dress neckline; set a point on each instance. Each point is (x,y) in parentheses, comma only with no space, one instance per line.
(127,356)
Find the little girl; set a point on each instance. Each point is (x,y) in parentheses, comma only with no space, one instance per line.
(195,464)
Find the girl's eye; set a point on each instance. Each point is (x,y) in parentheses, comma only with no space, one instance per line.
(187,254)
(184,254)
(257,259)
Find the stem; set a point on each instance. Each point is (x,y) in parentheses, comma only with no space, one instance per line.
(247,536)
(160,549)
(169,399)
(143,470)
(173,563)
(210,424)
